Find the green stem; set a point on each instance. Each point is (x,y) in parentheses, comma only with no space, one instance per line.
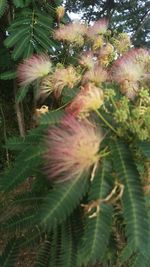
(113,102)
(63,106)
(105,121)
(104,154)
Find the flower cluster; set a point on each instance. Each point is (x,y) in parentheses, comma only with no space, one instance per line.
(106,77)
(134,119)
(76,33)
(122,112)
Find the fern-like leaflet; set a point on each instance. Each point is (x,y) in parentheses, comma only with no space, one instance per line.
(61,201)
(134,208)
(3,5)
(97,230)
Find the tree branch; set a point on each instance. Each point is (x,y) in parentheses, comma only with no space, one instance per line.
(140,26)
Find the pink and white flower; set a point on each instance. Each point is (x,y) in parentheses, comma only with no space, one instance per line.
(89,98)
(73,33)
(72,148)
(87,60)
(99,27)
(54,83)
(131,69)
(97,75)
(37,66)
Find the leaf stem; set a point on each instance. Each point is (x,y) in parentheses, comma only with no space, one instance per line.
(113,102)
(104,154)
(105,121)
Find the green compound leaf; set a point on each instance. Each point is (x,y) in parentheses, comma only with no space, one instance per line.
(3,5)
(16,36)
(8,75)
(43,254)
(67,254)
(9,255)
(21,3)
(25,166)
(141,261)
(61,201)
(30,31)
(22,92)
(134,208)
(97,230)
(21,47)
(145,148)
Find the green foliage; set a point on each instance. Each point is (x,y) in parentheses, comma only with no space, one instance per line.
(35,135)
(97,230)
(5,62)
(20,221)
(25,166)
(3,5)
(31,30)
(67,253)
(52,117)
(51,210)
(9,256)
(21,3)
(145,148)
(43,254)
(141,261)
(61,201)
(134,208)
(32,149)
(8,75)
(22,92)
(55,241)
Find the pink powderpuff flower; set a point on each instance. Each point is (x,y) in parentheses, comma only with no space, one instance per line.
(99,27)
(97,75)
(129,88)
(131,69)
(87,60)
(37,66)
(89,98)
(58,80)
(72,148)
(73,33)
